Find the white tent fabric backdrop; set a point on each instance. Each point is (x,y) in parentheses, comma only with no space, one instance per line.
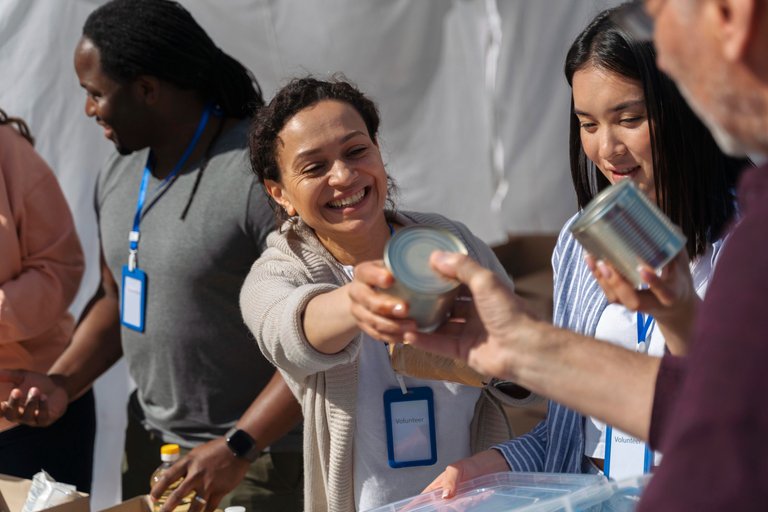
(473,101)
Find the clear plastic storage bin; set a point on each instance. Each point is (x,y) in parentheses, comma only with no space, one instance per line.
(530,492)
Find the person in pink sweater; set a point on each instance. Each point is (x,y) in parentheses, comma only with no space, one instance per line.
(41,264)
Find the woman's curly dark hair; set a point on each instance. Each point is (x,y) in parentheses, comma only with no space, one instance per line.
(297,95)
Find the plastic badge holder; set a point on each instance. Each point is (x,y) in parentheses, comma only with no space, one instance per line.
(502,492)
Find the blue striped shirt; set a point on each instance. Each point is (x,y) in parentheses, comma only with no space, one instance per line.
(556,444)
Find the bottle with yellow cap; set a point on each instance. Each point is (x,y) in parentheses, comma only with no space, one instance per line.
(169,453)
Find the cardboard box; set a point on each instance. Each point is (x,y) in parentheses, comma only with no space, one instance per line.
(527,259)
(140,504)
(137,504)
(13,494)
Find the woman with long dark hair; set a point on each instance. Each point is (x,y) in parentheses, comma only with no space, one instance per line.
(628,122)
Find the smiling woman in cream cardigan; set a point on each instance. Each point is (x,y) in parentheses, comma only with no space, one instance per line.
(314,148)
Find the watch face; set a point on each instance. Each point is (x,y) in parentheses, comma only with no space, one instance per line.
(240,442)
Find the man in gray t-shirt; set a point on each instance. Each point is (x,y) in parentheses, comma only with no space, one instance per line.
(181,220)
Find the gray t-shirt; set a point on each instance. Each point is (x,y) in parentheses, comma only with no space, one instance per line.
(196,366)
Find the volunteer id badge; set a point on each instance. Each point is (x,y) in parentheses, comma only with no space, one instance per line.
(410,420)
(625,456)
(133,300)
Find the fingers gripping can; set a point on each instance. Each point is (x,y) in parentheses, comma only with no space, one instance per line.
(622,226)
(428,294)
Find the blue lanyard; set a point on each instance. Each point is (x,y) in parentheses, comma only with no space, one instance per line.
(643,326)
(133,236)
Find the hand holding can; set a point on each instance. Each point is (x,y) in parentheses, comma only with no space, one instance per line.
(622,226)
(428,294)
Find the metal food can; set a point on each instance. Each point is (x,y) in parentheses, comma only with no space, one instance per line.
(428,294)
(622,226)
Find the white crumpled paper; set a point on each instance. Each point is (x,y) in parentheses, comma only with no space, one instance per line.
(46,492)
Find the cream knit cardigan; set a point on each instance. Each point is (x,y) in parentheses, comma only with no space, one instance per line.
(293,269)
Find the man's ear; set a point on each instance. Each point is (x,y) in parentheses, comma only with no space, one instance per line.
(147,89)
(275,190)
(736,25)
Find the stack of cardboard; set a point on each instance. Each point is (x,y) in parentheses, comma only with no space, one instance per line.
(527,259)
(13,495)
(137,504)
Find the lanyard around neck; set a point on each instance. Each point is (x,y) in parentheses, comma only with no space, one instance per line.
(133,236)
(643,326)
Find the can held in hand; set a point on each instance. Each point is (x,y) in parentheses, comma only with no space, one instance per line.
(428,294)
(622,226)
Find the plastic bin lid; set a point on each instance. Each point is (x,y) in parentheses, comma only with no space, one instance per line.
(531,492)
(625,494)
(501,492)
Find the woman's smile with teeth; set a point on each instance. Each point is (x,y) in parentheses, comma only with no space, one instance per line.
(626,171)
(348,201)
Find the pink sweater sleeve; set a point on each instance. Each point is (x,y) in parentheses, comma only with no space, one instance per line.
(41,260)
